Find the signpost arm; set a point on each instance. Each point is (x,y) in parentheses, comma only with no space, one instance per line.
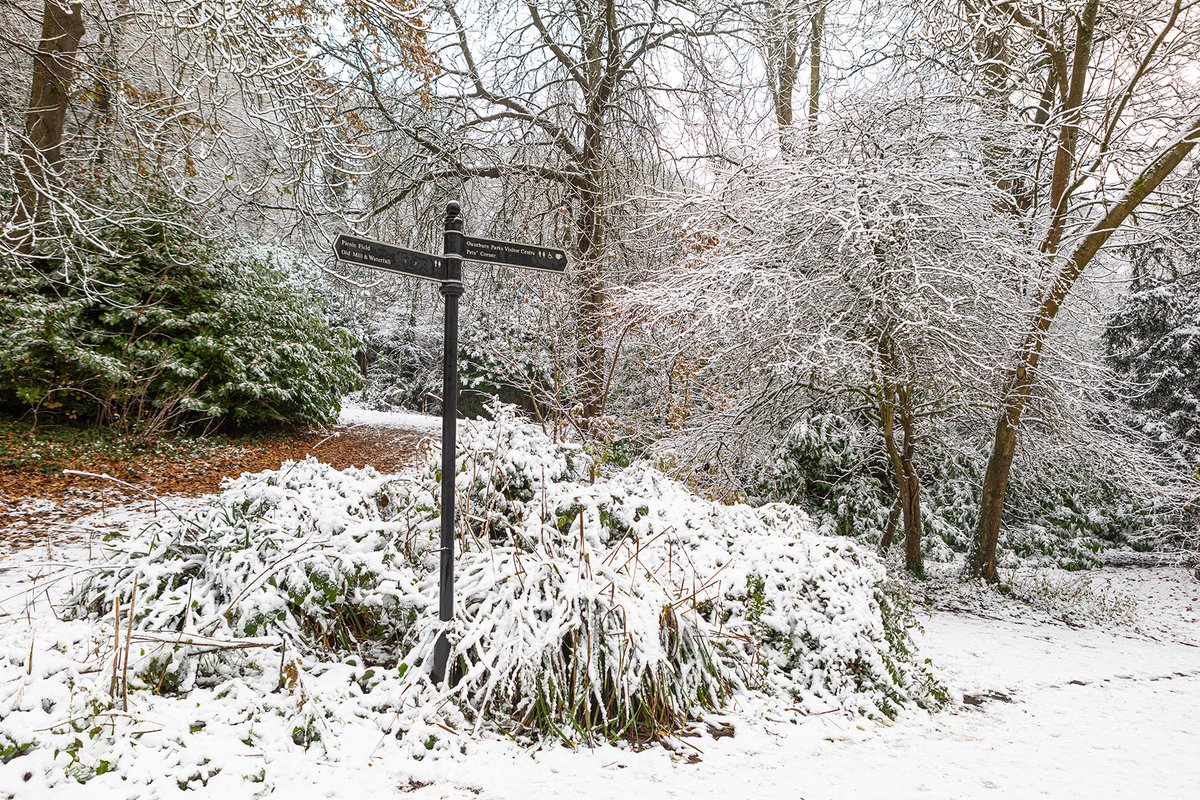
(451,289)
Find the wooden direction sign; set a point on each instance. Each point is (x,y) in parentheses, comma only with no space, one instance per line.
(377,255)
(514,254)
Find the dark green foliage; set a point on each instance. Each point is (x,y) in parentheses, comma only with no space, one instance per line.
(835,468)
(899,623)
(1154,340)
(167,328)
(1064,512)
(10,749)
(501,356)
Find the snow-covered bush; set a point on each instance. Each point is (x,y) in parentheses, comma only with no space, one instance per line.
(1062,511)
(619,607)
(1154,339)
(167,327)
(835,468)
(404,363)
(1068,515)
(297,553)
(501,356)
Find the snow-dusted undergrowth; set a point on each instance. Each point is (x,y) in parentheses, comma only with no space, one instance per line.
(619,607)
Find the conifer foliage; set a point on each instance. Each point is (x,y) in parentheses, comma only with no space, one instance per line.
(1154,338)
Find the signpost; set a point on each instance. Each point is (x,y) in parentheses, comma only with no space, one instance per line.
(446,269)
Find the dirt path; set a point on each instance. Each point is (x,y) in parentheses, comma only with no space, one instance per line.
(34,502)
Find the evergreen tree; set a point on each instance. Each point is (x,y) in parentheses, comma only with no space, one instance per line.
(1154,339)
(162,327)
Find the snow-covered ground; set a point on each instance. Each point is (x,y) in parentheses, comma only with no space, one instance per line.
(1062,713)
(1104,708)
(1051,711)
(390,419)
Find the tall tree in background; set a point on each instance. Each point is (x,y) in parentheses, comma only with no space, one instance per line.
(789,38)
(1107,95)
(45,117)
(560,100)
(238,109)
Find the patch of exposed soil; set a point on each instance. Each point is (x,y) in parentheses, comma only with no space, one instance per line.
(34,501)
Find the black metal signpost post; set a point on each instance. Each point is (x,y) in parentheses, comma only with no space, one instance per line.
(452,289)
(447,271)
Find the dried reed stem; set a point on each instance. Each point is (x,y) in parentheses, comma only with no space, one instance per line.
(112,684)
(128,640)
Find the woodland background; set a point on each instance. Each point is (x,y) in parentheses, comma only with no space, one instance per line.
(925,269)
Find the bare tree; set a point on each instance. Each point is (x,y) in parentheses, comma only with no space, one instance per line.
(1106,94)
(559,102)
(879,269)
(788,38)
(236,109)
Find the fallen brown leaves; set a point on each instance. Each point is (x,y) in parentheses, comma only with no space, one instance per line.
(33,498)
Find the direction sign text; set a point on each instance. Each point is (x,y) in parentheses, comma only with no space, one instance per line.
(514,254)
(377,255)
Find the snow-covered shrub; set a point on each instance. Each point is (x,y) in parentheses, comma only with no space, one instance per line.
(833,467)
(1066,518)
(1075,599)
(404,363)
(836,469)
(951,479)
(501,356)
(298,553)
(1154,339)
(1061,511)
(168,327)
(619,607)
(509,466)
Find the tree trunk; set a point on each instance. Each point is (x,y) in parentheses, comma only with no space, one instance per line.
(591,358)
(1020,382)
(814,71)
(889,532)
(788,67)
(603,71)
(914,560)
(908,481)
(107,80)
(45,119)
(991,503)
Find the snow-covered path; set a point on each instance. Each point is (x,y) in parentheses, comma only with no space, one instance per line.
(1091,715)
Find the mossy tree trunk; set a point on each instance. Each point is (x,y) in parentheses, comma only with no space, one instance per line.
(896,410)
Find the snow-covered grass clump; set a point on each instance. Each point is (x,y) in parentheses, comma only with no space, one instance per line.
(620,606)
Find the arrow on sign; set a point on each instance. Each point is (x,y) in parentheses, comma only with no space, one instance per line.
(514,254)
(377,255)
